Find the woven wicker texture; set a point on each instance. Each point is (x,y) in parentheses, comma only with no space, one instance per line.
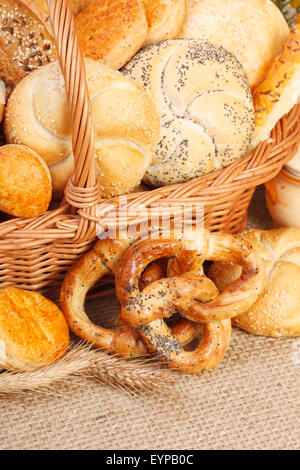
(250,401)
(35,253)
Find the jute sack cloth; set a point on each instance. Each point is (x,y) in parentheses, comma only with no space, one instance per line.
(250,401)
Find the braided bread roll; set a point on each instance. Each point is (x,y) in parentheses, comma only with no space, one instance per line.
(205,106)
(125,120)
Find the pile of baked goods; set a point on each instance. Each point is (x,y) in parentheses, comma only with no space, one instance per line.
(173,304)
(200,84)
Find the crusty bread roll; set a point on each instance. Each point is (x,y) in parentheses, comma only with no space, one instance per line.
(25,40)
(253,30)
(2,99)
(277,311)
(204,102)
(112,30)
(165,19)
(33,331)
(25,182)
(280,90)
(126,125)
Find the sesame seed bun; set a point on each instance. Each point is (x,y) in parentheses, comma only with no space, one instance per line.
(280,90)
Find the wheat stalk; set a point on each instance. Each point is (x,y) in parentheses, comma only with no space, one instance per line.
(133,376)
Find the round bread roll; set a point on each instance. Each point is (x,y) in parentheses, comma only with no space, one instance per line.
(126,125)
(2,99)
(205,106)
(112,30)
(252,30)
(25,182)
(276,312)
(280,90)
(33,331)
(165,19)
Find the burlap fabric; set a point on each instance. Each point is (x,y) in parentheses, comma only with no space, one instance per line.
(251,401)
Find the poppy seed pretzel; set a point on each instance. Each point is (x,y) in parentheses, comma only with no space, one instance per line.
(146,310)
(122,340)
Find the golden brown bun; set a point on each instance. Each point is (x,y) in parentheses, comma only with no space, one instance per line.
(165,19)
(253,30)
(126,125)
(25,182)
(112,30)
(25,41)
(2,99)
(33,331)
(277,311)
(280,90)
(205,105)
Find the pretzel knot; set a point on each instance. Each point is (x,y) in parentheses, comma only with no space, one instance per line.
(122,340)
(189,292)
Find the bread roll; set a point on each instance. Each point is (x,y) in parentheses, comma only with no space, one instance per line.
(165,19)
(25,40)
(126,125)
(2,99)
(252,30)
(25,182)
(204,102)
(280,90)
(112,30)
(277,311)
(33,331)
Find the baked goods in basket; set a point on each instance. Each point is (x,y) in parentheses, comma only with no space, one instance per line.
(205,106)
(253,30)
(112,30)
(33,331)
(280,90)
(2,99)
(25,182)
(121,340)
(125,121)
(165,19)
(26,41)
(276,312)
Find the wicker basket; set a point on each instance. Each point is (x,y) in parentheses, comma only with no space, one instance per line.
(35,253)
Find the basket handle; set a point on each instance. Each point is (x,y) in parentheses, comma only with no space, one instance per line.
(82,191)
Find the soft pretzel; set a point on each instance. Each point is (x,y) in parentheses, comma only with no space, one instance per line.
(205,106)
(121,340)
(276,312)
(146,310)
(235,298)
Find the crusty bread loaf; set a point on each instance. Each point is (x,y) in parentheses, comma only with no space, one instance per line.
(165,19)
(2,99)
(112,30)
(280,90)
(205,105)
(25,40)
(277,310)
(33,331)
(253,30)
(126,125)
(25,182)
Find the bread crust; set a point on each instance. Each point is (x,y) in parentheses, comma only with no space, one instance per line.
(205,106)
(25,182)
(112,30)
(276,312)
(125,120)
(26,41)
(33,331)
(280,90)
(165,19)
(252,30)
